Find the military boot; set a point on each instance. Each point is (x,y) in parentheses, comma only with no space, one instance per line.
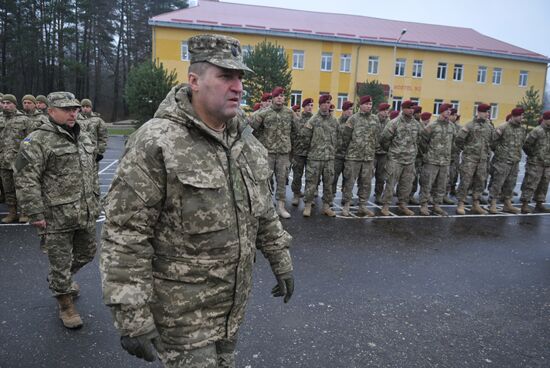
(296,199)
(540,207)
(476,208)
(385,211)
(307,209)
(364,211)
(493,208)
(327,211)
(448,200)
(23,219)
(345,210)
(405,211)
(424,209)
(439,211)
(12,215)
(460,208)
(281,210)
(525,207)
(508,207)
(413,201)
(67,312)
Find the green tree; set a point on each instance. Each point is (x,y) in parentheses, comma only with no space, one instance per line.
(147,85)
(374,89)
(532,104)
(270,65)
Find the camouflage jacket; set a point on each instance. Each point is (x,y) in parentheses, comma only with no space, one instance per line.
(16,127)
(401,138)
(53,178)
(361,137)
(455,151)
(184,215)
(381,125)
(96,128)
(321,132)
(537,146)
(340,152)
(37,119)
(438,139)
(299,142)
(474,139)
(277,126)
(508,141)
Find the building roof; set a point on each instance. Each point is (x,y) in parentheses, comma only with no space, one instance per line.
(255,19)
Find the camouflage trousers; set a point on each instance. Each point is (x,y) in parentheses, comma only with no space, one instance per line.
(433,183)
(453,175)
(379,172)
(503,180)
(8,184)
(316,171)
(360,171)
(417,174)
(68,252)
(279,164)
(338,169)
(298,169)
(535,183)
(472,175)
(220,354)
(401,175)
(2,193)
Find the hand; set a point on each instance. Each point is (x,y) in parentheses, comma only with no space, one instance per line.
(284,287)
(141,346)
(98,158)
(39,224)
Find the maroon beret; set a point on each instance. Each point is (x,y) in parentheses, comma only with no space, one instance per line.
(394,114)
(546,115)
(517,111)
(257,106)
(426,115)
(454,111)
(383,106)
(266,96)
(444,107)
(295,107)
(277,91)
(508,117)
(408,104)
(365,99)
(417,109)
(324,98)
(347,105)
(483,107)
(307,101)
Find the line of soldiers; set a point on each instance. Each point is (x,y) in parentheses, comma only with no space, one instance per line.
(402,151)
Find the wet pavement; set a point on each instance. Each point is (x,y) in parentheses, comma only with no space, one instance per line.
(466,291)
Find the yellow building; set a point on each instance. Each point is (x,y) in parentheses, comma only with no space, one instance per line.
(331,53)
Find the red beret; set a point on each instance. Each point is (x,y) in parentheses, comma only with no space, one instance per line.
(295,108)
(347,105)
(417,109)
(257,106)
(383,106)
(546,115)
(394,114)
(365,99)
(307,101)
(277,91)
(266,96)
(444,107)
(508,117)
(408,104)
(517,111)
(483,107)
(425,115)
(324,98)
(454,111)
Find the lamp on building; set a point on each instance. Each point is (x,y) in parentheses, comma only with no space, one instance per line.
(403,31)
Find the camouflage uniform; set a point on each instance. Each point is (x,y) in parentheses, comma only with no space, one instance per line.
(299,153)
(184,215)
(2,194)
(361,138)
(418,164)
(95,127)
(37,118)
(321,133)
(537,170)
(340,154)
(455,163)
(380,160)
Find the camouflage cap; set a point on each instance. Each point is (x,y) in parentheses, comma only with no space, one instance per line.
(10,98)
(42,98)
(29,98)
(86,102)
(222,51)
(62,99)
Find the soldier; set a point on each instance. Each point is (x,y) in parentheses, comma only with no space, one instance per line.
(299,151)
(42,104)
(380,156)
(277,124)
(54,181)
(36,116)
(265,102)
(508,141)
(418,162)
(360,137)
(537,170)
(455,160)
(188,207)
(340,154)
(438,139)
(417,111)
(393,114)
(296,110)
(321,133)
(474,139)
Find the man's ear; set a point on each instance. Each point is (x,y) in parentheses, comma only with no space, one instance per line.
(193,80)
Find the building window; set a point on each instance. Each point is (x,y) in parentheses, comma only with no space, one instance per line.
(497,75)
(523,78)
(417,69)
(437,103)
(326,61)
(482,74)
(341,98)
(298,59)
(458,72)
(442,71)
(456,105)
(415,99)
(345,63)
(396,103)
(476,104)
(494,111)
(400,67)
(295,98)
(184,51)
(373,65)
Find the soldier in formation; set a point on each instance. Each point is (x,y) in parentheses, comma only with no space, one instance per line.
(382,118)
(299,151)
(340,153)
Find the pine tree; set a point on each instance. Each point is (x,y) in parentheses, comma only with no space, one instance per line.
(373,89)
(532,104)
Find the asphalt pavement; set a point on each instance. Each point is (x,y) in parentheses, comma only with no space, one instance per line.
(466,291)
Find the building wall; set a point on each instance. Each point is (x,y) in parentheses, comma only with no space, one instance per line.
(311,80)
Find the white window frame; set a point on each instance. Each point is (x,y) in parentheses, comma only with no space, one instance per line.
(184,51)
(497,76)
(476,104)
(296,98)
(418,66)
(441,71)
(298,59)
(481,74)
(345,63)
(373,64)
(523,78)
(400,65)
(494,111)
(341,98)
(396,103)
(458,72)
(326,61)
(437,103)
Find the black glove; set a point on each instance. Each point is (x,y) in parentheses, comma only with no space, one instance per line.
(284,287)
(141,346)
(98,158)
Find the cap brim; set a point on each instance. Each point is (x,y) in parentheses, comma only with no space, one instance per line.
(230,64)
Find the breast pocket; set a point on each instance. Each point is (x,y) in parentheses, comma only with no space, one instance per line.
(66,159)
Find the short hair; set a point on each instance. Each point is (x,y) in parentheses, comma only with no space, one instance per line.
(198,68)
